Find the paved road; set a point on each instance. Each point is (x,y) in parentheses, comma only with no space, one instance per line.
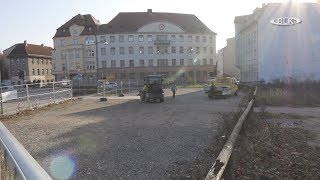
(124,138)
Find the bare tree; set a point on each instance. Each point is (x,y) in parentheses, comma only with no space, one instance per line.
(3,67)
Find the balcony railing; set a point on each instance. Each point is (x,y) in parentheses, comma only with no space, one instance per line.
(161,42)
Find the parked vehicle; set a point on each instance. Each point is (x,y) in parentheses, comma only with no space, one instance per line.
(152,89)
(223,87)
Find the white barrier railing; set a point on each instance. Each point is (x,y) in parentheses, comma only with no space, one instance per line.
(15,99)
(16,162)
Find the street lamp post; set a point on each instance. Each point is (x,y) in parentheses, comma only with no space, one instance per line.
(105,42)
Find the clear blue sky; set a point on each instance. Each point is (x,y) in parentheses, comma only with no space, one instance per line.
(37,20)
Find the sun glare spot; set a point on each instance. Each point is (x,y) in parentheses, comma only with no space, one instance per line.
(62,166)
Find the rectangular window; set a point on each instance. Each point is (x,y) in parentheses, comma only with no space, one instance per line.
(181,37)
(141,63)
(204,62)
(140,38)
(150,50)
(71,54)
(33,72)
(131,50)
(162,62)
(181,49)
(62,42)
(41,61)
(75,41)
(104,64)
(211,61)
(89,40)
(141,50)
(113,63)
(121,38)
(190,62)
(174,62)
(47,71)
(112,39)
(112,51)
(121,49)
(130,38)
(204,38)
(173,38)
(122,63)
(197,50)
(190,38)
(197,38)
(103,52)
(211,39)
(32,61)
(211,50)
(173,49)
(90,53)
(190,50)
(42,71)
(150,62)
(131,63)
(77,53)
(205,50)
(150,38)
(181,62)
(38,70)
(46,61)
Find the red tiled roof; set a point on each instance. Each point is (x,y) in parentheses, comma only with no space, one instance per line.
(23,49)
(82,20)
(131,22)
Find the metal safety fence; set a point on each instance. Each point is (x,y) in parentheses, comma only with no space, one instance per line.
(105,87)
(17,98)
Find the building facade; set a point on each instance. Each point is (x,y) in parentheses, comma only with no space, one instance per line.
(30,63)
(133,45)
(280,41)
(229,59)
(74,50)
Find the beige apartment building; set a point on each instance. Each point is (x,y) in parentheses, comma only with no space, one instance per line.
(227,60)
(30,63)
(74,50)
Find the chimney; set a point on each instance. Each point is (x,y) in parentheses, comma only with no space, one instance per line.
(42,45)
(149,11)
(25,42)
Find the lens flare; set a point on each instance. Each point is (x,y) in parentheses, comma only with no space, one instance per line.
(62,166)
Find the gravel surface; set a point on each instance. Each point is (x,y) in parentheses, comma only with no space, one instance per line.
(124,138)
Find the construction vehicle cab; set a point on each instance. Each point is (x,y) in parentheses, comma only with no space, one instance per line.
(223,86)
(152,89)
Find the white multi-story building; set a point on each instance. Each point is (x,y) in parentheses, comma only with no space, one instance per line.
(133,45)
(279,41)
